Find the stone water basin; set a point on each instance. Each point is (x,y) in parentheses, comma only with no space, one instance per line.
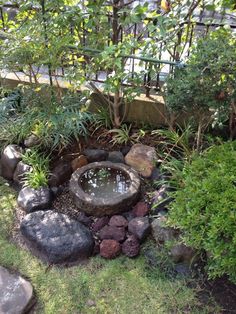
(105,188)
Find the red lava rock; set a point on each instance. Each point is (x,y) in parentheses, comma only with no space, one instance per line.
(112,232)
(100,223)
(131,246)
(140,227)
(118,221)
(140,209)
(110,249)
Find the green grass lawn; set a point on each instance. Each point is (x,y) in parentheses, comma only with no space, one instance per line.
(123,285)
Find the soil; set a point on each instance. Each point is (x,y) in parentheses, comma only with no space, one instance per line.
(223,292)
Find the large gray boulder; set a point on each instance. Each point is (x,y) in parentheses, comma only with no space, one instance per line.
(16,294)
(35,199)
(56,237)
(10,157)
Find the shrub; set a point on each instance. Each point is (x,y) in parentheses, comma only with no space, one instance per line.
(205,207)
(38,177)
(55,122)
(207,83)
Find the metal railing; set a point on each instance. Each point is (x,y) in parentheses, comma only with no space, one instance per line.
(150,81)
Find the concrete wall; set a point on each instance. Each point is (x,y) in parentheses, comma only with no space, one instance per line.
(142,110)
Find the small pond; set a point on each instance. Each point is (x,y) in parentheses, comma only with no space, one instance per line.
(104,188)
(105,182)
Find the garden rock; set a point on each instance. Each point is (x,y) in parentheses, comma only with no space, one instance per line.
(110,249)
(100,223)
(142,158)
(116,157)
(161,232)
(84,219)
(60,174)
(125,150)
(112,232)
(56,237)
(182,253)
(131,246)
(16,294)
(10,157)
(129,215)
(31,141)
(156,175)
(141,209)
(20,173)
(140,227)
(79,162)
(94,155)
(35,199)
(118,221)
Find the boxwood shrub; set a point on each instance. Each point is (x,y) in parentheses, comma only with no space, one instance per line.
(205,207)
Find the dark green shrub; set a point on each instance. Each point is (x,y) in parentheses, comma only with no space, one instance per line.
(207,83)
(205,207)
(56,122)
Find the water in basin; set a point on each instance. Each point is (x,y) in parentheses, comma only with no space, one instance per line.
(105,182)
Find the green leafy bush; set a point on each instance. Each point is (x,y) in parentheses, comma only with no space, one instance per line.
(55,122)
(38,177)
(205,207)
(207,83)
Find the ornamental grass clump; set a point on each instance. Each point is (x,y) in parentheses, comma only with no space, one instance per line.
(205,207)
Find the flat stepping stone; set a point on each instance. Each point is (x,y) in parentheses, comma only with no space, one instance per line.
(56,237)
(16,294)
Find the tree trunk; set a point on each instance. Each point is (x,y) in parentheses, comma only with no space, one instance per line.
(116,109)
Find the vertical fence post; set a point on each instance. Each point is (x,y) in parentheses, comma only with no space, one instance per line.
(46,38)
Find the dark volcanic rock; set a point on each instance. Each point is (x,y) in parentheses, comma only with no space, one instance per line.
(10,157)
(16,293)
(118,221)
(140,209)
(112,232)
(116,157)
(93,155)
(57,237)
(128,215)
(84,219)
(100,223)
(140,227)
(20,172)
(32,200)
(131,246)
(125,150)
(60,174)
(110,249)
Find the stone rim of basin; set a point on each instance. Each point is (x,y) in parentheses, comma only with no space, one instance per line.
(109,206)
